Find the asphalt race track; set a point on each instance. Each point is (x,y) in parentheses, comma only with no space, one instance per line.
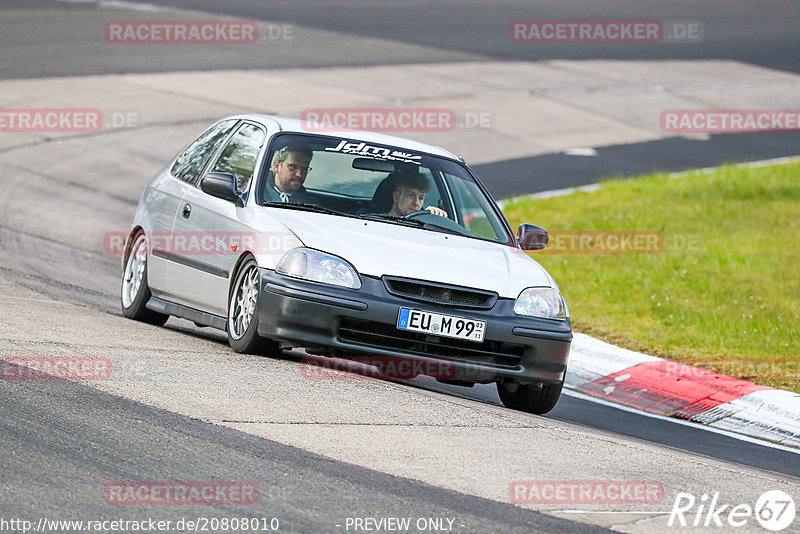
(66,451)
(182,406)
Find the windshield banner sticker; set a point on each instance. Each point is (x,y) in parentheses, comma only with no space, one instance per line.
(363,149)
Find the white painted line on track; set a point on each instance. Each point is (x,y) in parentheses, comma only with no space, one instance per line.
(608,512)
(748,165)
(549,194)
(594,187)
(118,4)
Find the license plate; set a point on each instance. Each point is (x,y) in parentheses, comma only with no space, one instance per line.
(441,325)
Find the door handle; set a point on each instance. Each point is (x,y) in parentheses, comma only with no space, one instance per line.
(187,210)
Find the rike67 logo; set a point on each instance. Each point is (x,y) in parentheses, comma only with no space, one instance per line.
(774,510)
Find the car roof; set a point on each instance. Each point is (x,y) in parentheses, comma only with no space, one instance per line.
(293,125)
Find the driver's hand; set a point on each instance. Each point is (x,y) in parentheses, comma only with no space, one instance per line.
(437,211)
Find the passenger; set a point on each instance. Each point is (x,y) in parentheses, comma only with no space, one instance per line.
(408,195)
(289,171)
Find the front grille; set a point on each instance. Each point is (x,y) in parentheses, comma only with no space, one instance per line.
(385,336)
(439,293)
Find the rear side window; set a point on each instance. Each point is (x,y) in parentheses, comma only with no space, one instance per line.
(240,154)
(193,160)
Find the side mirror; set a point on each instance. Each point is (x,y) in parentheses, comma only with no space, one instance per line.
(532,237)
(221,185)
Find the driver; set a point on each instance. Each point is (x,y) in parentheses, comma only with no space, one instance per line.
(409,193)
(290,167)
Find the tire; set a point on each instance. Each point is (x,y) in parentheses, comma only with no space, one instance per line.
(242,323)
(528,398)
(135,292)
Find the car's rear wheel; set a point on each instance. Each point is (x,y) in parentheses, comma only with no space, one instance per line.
(242,323)
(529,398)
(135,292)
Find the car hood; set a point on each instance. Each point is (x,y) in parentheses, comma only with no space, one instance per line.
(378,248)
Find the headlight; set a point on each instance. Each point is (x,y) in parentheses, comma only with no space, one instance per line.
(541,302)
(317,266)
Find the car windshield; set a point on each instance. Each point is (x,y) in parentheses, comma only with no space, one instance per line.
(356,178)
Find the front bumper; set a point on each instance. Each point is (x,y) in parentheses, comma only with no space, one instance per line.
(357,323)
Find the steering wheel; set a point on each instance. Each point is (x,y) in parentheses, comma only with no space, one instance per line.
(416,213)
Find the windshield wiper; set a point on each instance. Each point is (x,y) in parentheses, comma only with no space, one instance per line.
(305,207)
(446,229)
(425,225)
(392,219)
(403,221)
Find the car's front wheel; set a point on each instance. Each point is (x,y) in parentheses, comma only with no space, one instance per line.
(529,398)
(242,323)
(135,292)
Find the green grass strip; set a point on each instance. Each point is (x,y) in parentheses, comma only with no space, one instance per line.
(721,292)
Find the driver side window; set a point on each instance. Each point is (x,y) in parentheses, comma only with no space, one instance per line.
(473,208)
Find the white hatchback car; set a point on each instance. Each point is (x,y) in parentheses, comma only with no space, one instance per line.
(351,244)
